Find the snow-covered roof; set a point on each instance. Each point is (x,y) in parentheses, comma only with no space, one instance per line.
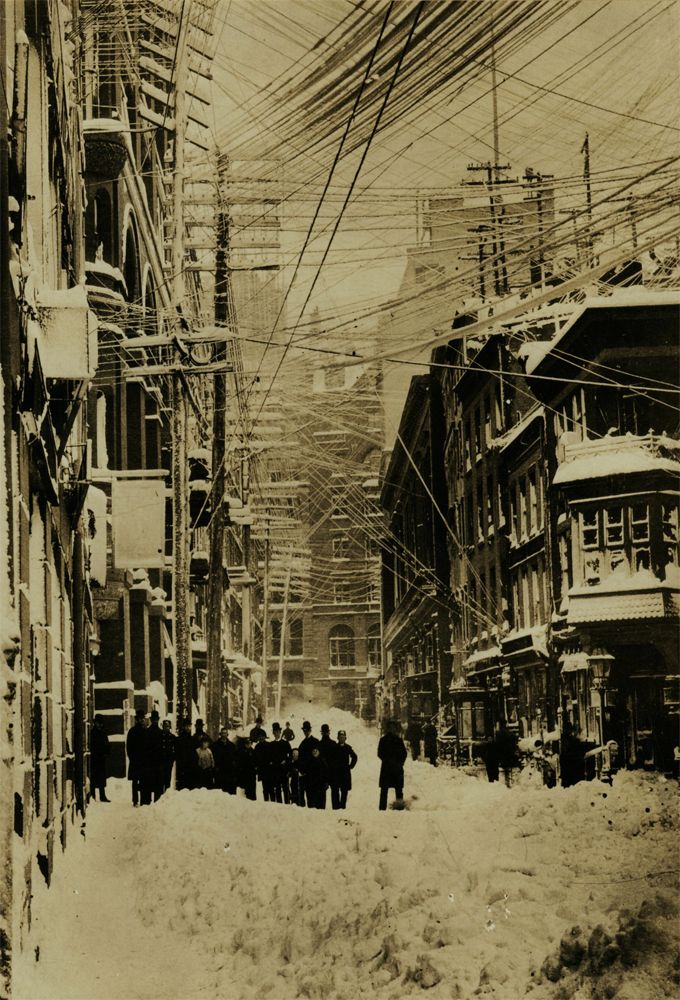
(618,455)
(534,353)
(626,596)
(504,440)
(482,655)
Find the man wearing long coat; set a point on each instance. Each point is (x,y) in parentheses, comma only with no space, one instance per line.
(392,752)
(135,746)
(344,760)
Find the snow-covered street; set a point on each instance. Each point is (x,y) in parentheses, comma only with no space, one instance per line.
(473,890)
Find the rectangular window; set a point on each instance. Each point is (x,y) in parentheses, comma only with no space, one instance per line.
(639,533)
(639,523)
(276,637)
(478,432)
(489,502)
(341,592)
(525,598)
(533,501)
(487,422)
(578,411)
(669,521)
(516,604)
(498,411)
(565,553)
(613,518)
(522,485)
(295,639)
(469,519)
(340,547)
(590,530)
(336,500)
(468,445)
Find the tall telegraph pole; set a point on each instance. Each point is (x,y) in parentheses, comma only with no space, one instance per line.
(216,604)
(180,484)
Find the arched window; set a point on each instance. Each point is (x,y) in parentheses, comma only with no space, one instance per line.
(341,646)
(374,650)
(131,266)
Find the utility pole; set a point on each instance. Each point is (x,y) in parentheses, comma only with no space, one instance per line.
(265,617)
(180,472)
(585,149)
(284,626)
(217,612)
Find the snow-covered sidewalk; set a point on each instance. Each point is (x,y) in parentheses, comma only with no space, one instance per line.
(474,890)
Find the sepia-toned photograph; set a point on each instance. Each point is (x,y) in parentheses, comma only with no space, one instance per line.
(339,472)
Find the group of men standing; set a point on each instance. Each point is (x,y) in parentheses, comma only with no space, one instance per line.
(293,775)
(150,751)
(299,775)
(424,737)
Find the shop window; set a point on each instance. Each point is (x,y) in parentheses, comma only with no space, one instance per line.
(472,720)
(341,646)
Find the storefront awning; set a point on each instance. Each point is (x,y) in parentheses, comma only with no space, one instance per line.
(573,661)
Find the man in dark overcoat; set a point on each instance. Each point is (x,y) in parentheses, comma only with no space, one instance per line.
(307,744)
(152,765)
(99,751)
(279,751)
(224,755)
(135,747)
(341,771)
(168,750)
(392,752)
(185,756)
(430,742)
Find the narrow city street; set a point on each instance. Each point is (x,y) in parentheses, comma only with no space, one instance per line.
(472,890)
(339,416)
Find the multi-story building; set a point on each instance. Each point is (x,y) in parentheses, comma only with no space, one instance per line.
(416,602)
(48,355)
(562,525)
(609,385)
(129,156)
(320,501)
(485,398)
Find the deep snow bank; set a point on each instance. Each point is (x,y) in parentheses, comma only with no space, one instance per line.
(473,890)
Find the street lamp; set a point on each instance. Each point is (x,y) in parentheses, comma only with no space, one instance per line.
(600,663)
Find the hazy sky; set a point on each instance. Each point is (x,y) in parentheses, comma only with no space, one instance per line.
(600,57)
